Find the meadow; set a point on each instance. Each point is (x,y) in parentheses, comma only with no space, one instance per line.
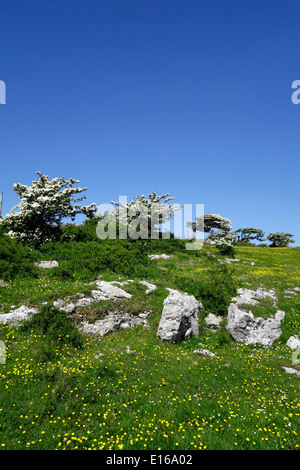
(131,391)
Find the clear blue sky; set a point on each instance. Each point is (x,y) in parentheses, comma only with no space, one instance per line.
(133,96)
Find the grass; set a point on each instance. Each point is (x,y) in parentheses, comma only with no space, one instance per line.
(131,391)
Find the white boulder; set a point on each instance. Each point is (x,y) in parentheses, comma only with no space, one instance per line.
(245,327)
(179,318)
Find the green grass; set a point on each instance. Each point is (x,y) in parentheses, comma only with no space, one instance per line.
(129,390)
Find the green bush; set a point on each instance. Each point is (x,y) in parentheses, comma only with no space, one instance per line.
(215,290)
(89,259)
(55,324)
(16,260)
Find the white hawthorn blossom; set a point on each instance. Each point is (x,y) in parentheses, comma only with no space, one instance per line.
(43,206)
(142,215)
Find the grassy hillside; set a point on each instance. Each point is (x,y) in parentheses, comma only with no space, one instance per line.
(130,390)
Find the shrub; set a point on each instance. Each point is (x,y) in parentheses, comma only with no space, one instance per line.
(280,239)
(16,259)
(88,259)
(55,324)
(214,291)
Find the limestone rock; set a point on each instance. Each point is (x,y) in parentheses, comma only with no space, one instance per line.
(17,316)
(105,291)
(109,291)
(112,322)
(47,264)
(151,287)
(204,352)
(252,297)
(212,321)
(179,319)
(162,256)
(292,370)
(244,327)
(293,342)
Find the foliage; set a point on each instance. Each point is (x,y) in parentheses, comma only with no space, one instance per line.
(215,290)
(91,258)
(140,218)
(223,240)
(42,208)
(16,260)
(280,239)
(247,234)
(208,222)
(55,324)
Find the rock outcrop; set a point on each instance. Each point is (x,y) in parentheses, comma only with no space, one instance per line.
(245,327)
(252,297)
(179,318)
(17,315)
(112,322)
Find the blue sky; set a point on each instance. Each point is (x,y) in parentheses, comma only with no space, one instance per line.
(181,96)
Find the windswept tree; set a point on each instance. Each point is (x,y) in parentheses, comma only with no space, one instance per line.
(208,222)
(39,216)
(280,239)
(248,234)
(223,237)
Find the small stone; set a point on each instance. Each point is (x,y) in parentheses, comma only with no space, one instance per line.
(292,370)
(204,352)
(163,256)
(212,321)
(47,264)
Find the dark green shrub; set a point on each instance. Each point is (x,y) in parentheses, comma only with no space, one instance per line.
(89,259)
(222,336)
(55,324)
(215,290)
(16,259)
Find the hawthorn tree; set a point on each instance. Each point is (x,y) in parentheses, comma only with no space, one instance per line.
(223,238)
(42,209)
(280,239)
(248,234)
(140,218)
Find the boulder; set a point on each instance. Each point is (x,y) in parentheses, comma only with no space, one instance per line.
(105,291)
(245,327)
(292,370)
(179,319)
(108,291)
